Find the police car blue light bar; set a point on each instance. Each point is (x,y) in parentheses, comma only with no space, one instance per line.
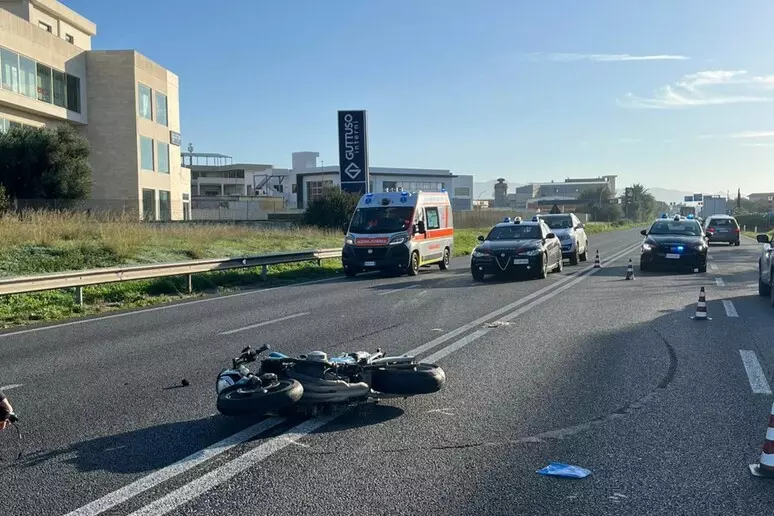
(507,219)
(535,218)
(663,215)
(690,215)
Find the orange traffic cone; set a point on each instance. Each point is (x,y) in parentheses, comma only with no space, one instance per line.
(630,270)
(765,466)
(597,263)
(701,308)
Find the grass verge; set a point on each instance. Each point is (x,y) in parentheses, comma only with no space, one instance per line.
(46,242)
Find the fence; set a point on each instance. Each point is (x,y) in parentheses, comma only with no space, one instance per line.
(79,279)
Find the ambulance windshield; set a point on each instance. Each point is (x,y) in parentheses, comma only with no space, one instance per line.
(381,219)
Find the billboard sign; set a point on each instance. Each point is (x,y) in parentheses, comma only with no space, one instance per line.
(353,151)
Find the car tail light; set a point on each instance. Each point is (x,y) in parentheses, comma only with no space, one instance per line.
(737,230)
(710,230)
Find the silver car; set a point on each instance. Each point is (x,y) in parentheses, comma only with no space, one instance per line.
(766,268)
(722,228)
(571,233)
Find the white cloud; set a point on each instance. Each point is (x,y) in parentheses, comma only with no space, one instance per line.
(744,135)
(707,88)
(758,145)
(603,58)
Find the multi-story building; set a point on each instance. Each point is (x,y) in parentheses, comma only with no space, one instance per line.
(124,103)
(215,175)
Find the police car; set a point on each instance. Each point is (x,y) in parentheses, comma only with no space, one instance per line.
(516,246)
(677,242)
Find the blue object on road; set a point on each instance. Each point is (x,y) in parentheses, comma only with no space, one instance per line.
(558,469)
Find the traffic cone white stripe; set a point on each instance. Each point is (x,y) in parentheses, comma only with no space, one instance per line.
(765,465)
(767,459)
(770,434)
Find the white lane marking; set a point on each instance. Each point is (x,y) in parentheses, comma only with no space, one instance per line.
(162,475)
(713,266)
(226,472)
(711,257)
(719,282)
(243,462)
(455,346)
(264,323)
(574,278)
(755,374)
(730,308)
(159,308)
(9,387)
(398,289)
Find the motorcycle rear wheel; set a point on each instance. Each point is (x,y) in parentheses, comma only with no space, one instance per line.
(408,379)
(238,401)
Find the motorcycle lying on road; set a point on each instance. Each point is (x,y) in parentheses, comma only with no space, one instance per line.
(311,382)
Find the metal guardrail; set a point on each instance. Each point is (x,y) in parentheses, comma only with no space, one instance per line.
(80,279)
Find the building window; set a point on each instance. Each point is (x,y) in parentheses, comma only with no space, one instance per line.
(294,188)
(144,101)
(462,192)
(73,93)
(27,76)
(146,153)
(389,186)
(59,89)
(45,26)
(44,83)
(3,125)
(165,210)
(70,39)
(10,63)
(149,204)
(162,149)
(161,108)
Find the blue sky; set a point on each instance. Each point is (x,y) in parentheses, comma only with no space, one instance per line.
(669,93)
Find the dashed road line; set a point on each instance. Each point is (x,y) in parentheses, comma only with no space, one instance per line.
(719,282)
(264,323)
(755,374)
(713,267)
(392,291)
(730,308)
(9,387)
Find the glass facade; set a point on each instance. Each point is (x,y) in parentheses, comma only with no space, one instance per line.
(161,108)
(165,208)
(144,103)
(162,150)
(27,77)
(146,153)
(413,186)
(149,204)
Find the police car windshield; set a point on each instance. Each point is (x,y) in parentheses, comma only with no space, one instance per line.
(676,227)
(557,221)
(381,219)
(515,232)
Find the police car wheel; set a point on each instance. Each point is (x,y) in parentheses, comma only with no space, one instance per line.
(585,254)
(477,275)
(575,258)
(350,272)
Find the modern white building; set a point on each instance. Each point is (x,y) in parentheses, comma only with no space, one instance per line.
(215,175)
(124,103)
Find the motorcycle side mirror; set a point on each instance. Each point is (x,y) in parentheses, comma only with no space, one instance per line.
(421,226)
(550,236)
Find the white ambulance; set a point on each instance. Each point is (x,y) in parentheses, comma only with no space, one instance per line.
(399,231)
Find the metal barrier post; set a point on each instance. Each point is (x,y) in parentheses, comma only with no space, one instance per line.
(79,296)
(264,272)
(189,283)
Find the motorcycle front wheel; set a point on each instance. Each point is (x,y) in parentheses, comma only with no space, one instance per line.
(257,401)
(408,379)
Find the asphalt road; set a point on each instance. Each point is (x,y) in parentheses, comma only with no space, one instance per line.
(584,368)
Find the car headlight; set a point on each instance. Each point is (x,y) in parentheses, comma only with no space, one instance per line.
(533,252)
(396,240)
(647,247)
(565,237)
(479,254)
(349,240)
(700,247)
